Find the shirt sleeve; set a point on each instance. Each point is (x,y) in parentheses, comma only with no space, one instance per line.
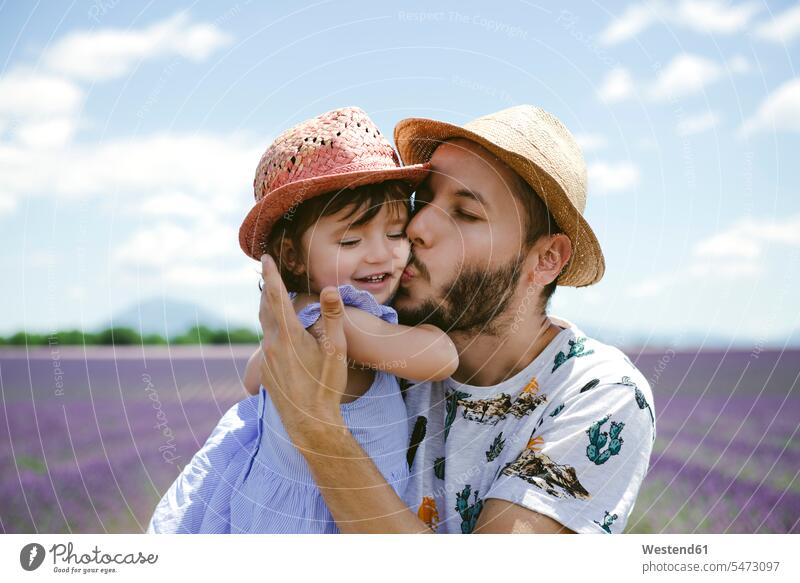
(584,462)
(351,296)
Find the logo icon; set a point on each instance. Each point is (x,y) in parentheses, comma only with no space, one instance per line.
(31,556)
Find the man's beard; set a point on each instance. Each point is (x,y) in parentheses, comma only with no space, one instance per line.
(474,302)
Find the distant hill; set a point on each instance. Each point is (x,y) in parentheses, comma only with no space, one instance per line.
(165,316)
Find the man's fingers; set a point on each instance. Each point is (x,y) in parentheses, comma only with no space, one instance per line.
(268,378)
(265,315)
(335,343)
(276,313)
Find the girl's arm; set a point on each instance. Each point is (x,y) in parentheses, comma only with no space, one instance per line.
(252,373)
(417,353)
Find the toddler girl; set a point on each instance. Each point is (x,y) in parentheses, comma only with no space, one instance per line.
(332,205)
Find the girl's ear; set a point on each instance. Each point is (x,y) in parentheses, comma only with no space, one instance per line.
(290,256)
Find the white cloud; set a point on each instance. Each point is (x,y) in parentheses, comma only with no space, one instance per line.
(198,275)
(650,287)
(26,94)
(732,243)
(40,113)
(109,53)
(780,111)
(175,204)
(617,86)
(684,75)
(51,133)
(736,252)
(7,204)
(204,254)
(611,177)
(211,167)
(727,270)
(165,243)
(746,238)
(697,124)
(715,16)
(591,142)
(635,19)
(704,16)
(739,64)
(783,28)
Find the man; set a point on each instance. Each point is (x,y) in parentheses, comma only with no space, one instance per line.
(541,429)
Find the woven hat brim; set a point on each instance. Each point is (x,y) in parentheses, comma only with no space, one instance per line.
(265,213)
(417,138)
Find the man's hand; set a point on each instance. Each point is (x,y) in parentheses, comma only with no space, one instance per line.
(306,376)
(306,379)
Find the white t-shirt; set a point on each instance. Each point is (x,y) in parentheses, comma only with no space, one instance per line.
(570,437)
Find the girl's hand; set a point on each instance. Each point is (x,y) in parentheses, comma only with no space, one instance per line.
(302,300)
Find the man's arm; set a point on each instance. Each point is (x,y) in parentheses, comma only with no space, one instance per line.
(355,492)
(503,517)
(309,376)
(361,501)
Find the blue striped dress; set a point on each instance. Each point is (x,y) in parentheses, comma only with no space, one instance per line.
(249,477)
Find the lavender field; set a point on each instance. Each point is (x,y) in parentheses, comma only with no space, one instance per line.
(92,438)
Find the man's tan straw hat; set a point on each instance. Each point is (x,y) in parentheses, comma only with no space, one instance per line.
(537,146)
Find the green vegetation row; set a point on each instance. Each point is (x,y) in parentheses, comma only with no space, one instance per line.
(122,336)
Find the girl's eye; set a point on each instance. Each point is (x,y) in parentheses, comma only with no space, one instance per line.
(396,235)
(349,243)
(465,216)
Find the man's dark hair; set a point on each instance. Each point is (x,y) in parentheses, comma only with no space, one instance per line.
(368,200)
(539,222)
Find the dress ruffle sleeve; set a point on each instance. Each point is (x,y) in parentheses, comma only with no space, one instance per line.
(351,296)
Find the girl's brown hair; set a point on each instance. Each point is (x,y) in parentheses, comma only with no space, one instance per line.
(292,225)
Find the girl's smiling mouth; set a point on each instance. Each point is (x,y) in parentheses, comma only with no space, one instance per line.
(374,281)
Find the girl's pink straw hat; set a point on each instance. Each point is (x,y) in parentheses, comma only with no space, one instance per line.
(337,150)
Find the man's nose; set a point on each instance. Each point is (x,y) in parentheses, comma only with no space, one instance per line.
(420,228)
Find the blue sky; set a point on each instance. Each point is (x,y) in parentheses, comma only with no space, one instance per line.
(129,135)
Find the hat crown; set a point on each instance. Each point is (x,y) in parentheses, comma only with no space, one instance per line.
(336,142)
(540,137)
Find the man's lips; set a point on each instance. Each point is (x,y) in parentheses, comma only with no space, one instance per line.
(408,274)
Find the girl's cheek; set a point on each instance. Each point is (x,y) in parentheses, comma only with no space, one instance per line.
(403,250)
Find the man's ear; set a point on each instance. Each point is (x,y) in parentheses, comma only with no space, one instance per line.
(553,254)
